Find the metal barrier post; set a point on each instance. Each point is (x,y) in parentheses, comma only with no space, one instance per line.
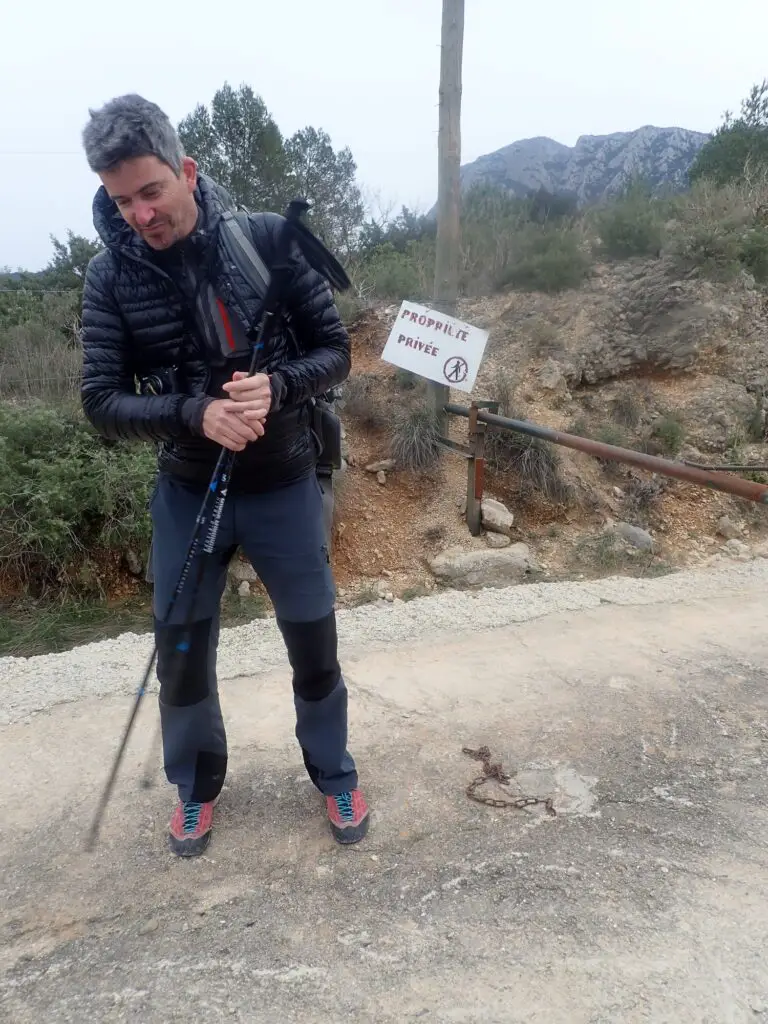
(475,471)
(476,465)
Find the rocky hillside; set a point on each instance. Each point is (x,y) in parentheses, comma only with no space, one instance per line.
(638,357)
(597,166)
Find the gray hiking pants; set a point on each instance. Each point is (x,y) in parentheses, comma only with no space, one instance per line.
(282,533)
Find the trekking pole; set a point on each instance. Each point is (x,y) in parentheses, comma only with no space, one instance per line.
(323,262)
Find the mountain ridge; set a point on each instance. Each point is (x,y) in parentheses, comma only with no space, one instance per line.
(595,167)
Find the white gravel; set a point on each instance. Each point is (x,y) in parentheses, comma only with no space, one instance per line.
(31,685)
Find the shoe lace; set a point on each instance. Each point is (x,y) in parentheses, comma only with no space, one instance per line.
(344,803)
(192,815)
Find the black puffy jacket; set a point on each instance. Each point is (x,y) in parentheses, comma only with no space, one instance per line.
(137,321)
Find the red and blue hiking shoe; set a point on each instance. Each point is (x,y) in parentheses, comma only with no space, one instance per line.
(189,831)
(349,816)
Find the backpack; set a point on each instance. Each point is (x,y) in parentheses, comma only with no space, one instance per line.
(324,423)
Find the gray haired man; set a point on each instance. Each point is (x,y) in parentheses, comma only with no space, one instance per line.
(163,302)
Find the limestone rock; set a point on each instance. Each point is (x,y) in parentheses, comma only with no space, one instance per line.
(552,378)
(497,540)
(241,571)
(635,536)
(496,517)
(382,466)
(487,568)
(728,529)
(133,562)
(381,476)
(383,590)
(737,549)
(244,589)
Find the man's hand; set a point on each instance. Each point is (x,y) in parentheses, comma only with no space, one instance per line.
(253,395)
(224,424)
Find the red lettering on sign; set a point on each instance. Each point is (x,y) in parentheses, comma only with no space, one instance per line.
(401,339)
(430,322)
(438,325)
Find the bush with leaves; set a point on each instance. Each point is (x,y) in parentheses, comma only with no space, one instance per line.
(722,230)
(739,146)
(65,494)
(631,225)
(40,354)
(546,259)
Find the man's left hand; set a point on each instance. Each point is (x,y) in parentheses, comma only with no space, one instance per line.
(254,393)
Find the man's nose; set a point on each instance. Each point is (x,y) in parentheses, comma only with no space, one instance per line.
(144,213)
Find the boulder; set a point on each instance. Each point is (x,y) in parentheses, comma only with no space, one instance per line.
(497,540)
(489,568)
(551,377)
(728,529)
(133,562)
(640,539)
(496,517)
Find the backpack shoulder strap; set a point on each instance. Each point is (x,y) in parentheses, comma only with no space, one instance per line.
(247,257)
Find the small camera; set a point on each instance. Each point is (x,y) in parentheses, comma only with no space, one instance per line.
(159,382)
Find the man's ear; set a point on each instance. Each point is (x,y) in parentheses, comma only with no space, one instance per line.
(189,173)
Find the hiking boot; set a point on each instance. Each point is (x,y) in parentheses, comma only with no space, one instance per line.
(189,831)
(348,815)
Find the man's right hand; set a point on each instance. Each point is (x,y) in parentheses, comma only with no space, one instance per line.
(224,424)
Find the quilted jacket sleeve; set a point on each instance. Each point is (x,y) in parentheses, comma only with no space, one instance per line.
(108,389)
(326,359)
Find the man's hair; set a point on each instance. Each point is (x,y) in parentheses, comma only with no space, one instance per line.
(128,127)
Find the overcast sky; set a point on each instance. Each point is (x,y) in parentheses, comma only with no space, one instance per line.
(366,71)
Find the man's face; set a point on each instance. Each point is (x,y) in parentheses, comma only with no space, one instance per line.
(156,203)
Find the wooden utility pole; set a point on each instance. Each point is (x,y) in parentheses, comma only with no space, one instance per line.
(448,179)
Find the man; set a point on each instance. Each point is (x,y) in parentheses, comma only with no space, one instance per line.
(165,303)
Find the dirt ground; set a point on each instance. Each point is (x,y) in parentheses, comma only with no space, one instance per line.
(642,899)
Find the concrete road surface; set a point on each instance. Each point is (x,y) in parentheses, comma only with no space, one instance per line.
(643,898)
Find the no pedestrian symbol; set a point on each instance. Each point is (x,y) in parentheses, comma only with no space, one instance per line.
(456,370)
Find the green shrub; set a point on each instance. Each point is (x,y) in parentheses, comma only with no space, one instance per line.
(65,495)
(363,403)
(670,433)
(722,231)
(414,441)
(535,462)
(630,226)
(611,433)
(405,380)
(753,253)
(40,354)
(350,306)
(389,274)
(628,408)
(546,260)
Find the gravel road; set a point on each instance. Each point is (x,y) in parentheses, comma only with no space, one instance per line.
(639,708)
(115,666)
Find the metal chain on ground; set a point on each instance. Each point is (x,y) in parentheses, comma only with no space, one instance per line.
(495,771)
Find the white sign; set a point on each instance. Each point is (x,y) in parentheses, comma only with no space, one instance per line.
(435,346)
